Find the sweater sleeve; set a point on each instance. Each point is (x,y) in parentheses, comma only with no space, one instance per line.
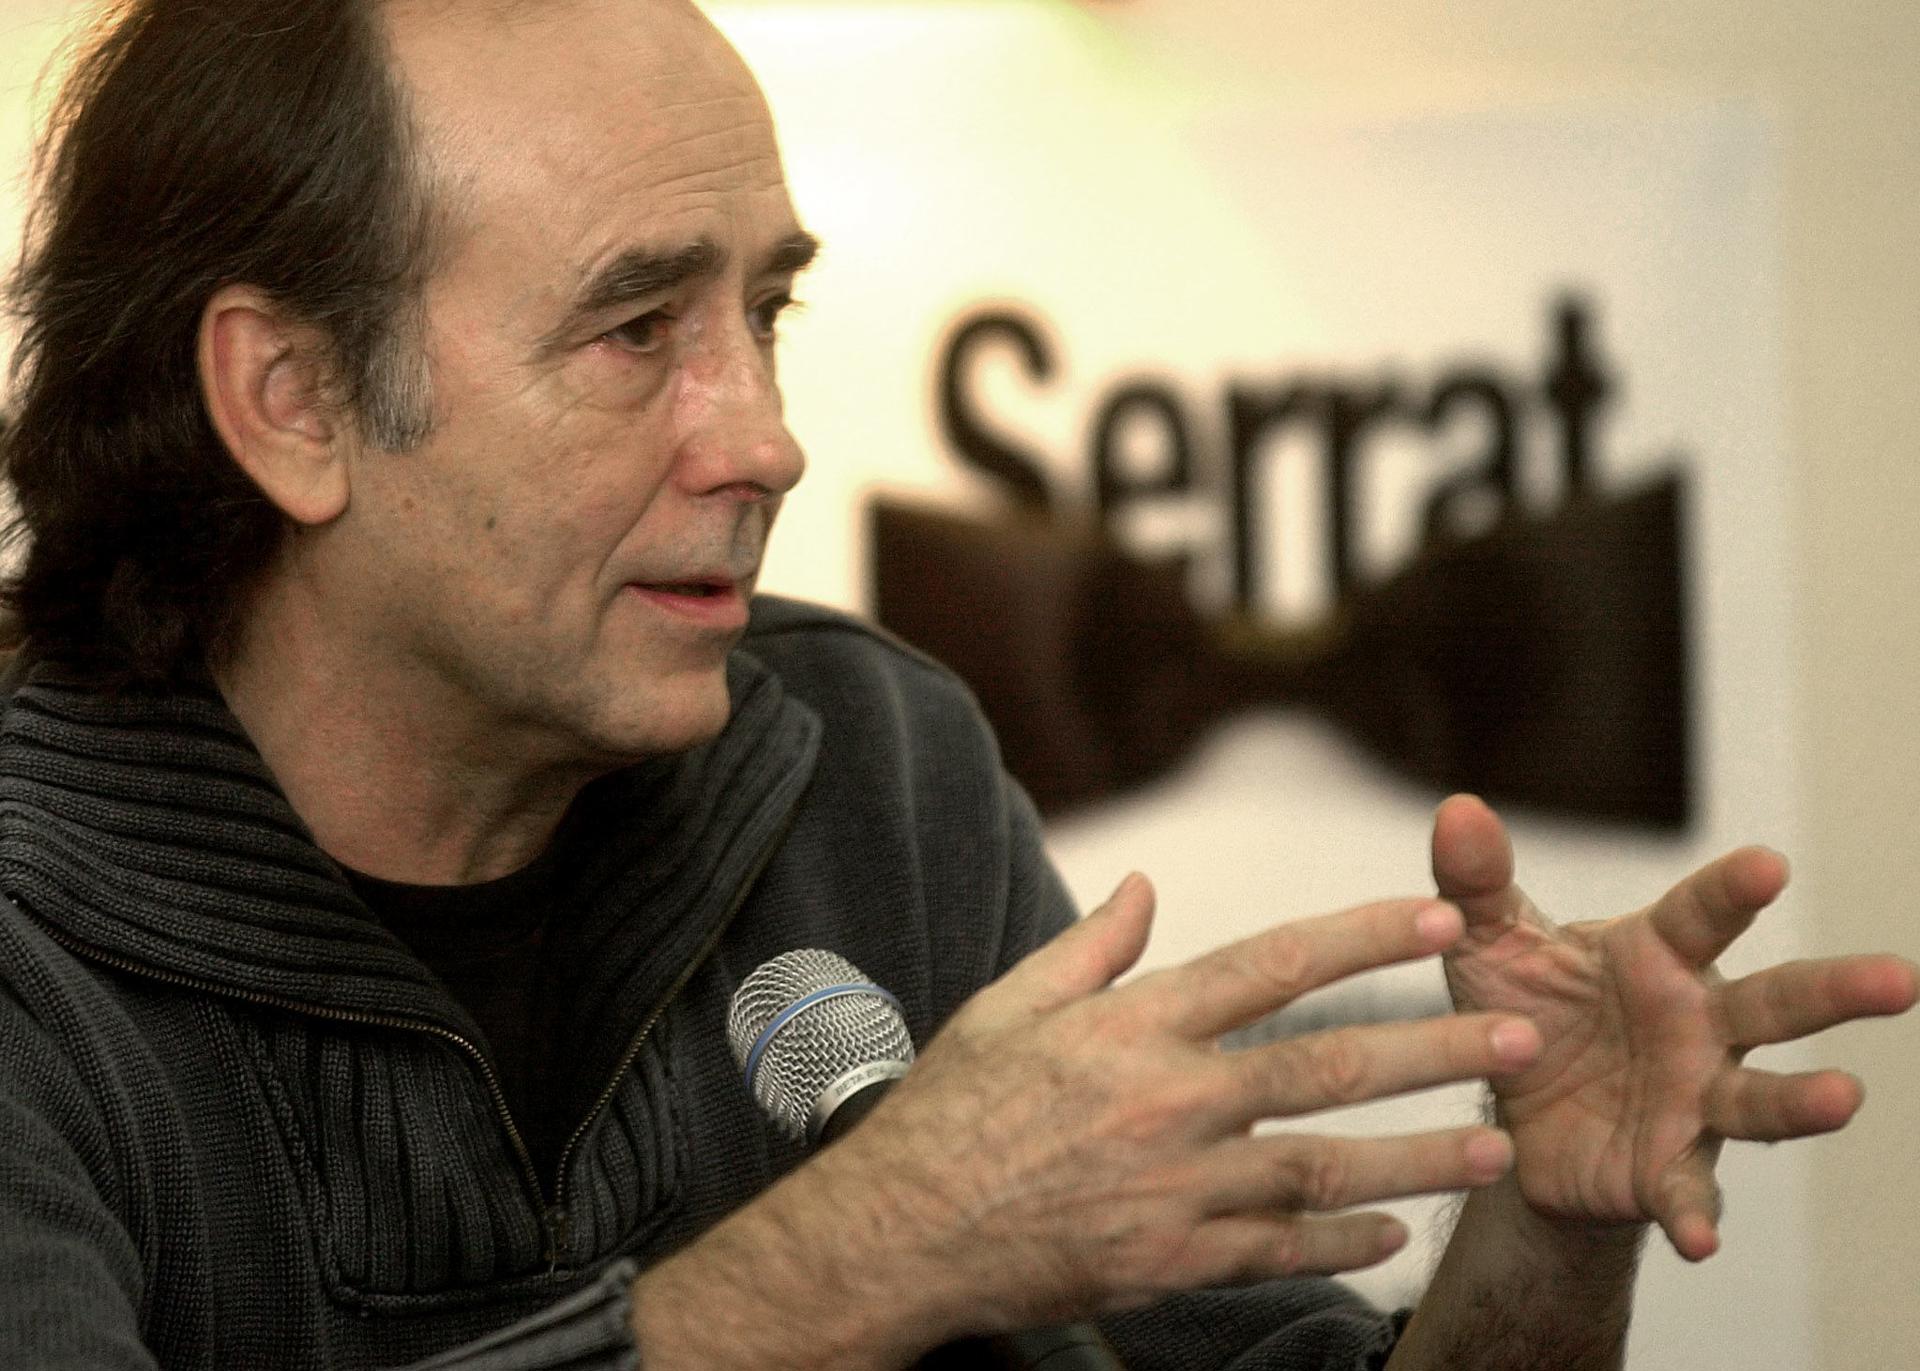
(590,1331)
(1305,1324)
(1039,906)
(70,1273)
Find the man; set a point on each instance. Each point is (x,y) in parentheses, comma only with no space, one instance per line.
(396,790)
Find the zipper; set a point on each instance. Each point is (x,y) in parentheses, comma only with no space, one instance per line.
(556,1224)
(528,1172)
(559,1223)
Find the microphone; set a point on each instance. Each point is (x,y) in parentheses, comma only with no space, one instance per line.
(819,1045)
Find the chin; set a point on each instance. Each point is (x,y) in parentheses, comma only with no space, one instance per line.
(671,718)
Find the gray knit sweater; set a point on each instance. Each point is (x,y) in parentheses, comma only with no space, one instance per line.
(241,1126)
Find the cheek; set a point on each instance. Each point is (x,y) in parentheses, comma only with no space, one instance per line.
(527,490)
(553,534)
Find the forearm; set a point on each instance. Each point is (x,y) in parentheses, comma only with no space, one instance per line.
(1515,1292)
(818,1272)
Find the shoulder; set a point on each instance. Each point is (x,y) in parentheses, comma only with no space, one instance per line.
(798,633)
(58,1014)
(913,854)
(67,1049)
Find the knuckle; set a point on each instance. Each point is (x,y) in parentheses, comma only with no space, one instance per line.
(1318,1177)
(1142,1123)
(1777,1000)
(1281,963)
(1286,1253)
(1159,1106)
(1104,1025)
(1243,1264)
(1158,1263)
(1341,1068)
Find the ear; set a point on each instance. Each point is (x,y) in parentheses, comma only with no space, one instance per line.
(263,375)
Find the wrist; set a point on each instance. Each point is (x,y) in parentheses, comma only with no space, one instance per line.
(1597,1248)
(1520,1289)
(1560,1238)
(818,1272)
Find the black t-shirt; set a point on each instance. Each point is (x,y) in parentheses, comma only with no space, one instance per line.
(491,946)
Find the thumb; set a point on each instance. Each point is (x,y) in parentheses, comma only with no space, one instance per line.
(1473,861)
(1088,956)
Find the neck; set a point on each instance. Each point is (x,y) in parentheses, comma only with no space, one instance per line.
(395,779)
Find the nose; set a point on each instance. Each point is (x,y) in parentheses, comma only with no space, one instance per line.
(734,436)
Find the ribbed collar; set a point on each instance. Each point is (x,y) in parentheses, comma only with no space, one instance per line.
(145,830)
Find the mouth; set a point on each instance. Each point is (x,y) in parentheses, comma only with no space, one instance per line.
(699,590)
(716,602)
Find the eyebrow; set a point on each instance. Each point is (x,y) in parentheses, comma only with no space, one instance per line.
(639,272)
(792,254)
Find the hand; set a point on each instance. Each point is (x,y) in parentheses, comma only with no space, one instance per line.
(1621,1118)
(1066,1147)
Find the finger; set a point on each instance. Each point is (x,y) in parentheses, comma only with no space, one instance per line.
(1088,956)
(1688,1208)
(1473,862)
(1287,1171)
(1248,1249)
(1347,1065)
(1763,1106)
(1699,917)
(1790,1001)
(1234,985)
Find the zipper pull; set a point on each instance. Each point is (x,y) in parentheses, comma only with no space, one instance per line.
(559,1237)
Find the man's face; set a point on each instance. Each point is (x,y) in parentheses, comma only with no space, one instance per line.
(565,564)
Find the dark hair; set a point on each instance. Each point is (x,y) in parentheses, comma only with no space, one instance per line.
(195,146)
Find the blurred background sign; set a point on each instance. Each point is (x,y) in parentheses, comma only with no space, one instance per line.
(1529,655)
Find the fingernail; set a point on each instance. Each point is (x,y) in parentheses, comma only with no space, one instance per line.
(1439,923)
(1393,1237)
(1514,1041)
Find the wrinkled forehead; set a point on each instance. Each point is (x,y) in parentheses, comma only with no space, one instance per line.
(574,92)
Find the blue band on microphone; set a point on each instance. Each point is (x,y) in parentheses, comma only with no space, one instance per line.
(831,992)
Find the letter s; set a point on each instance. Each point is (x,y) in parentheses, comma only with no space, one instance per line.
(1019,471)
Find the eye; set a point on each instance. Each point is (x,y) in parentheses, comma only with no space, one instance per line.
(765,316)
(643,334)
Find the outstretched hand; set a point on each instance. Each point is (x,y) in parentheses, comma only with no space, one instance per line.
(1641,1077)
(1091,1144)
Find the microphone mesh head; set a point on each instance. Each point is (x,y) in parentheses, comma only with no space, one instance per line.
(851,1024)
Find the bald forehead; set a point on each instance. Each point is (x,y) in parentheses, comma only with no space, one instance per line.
(419,27)
(579,112)
(477,68)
